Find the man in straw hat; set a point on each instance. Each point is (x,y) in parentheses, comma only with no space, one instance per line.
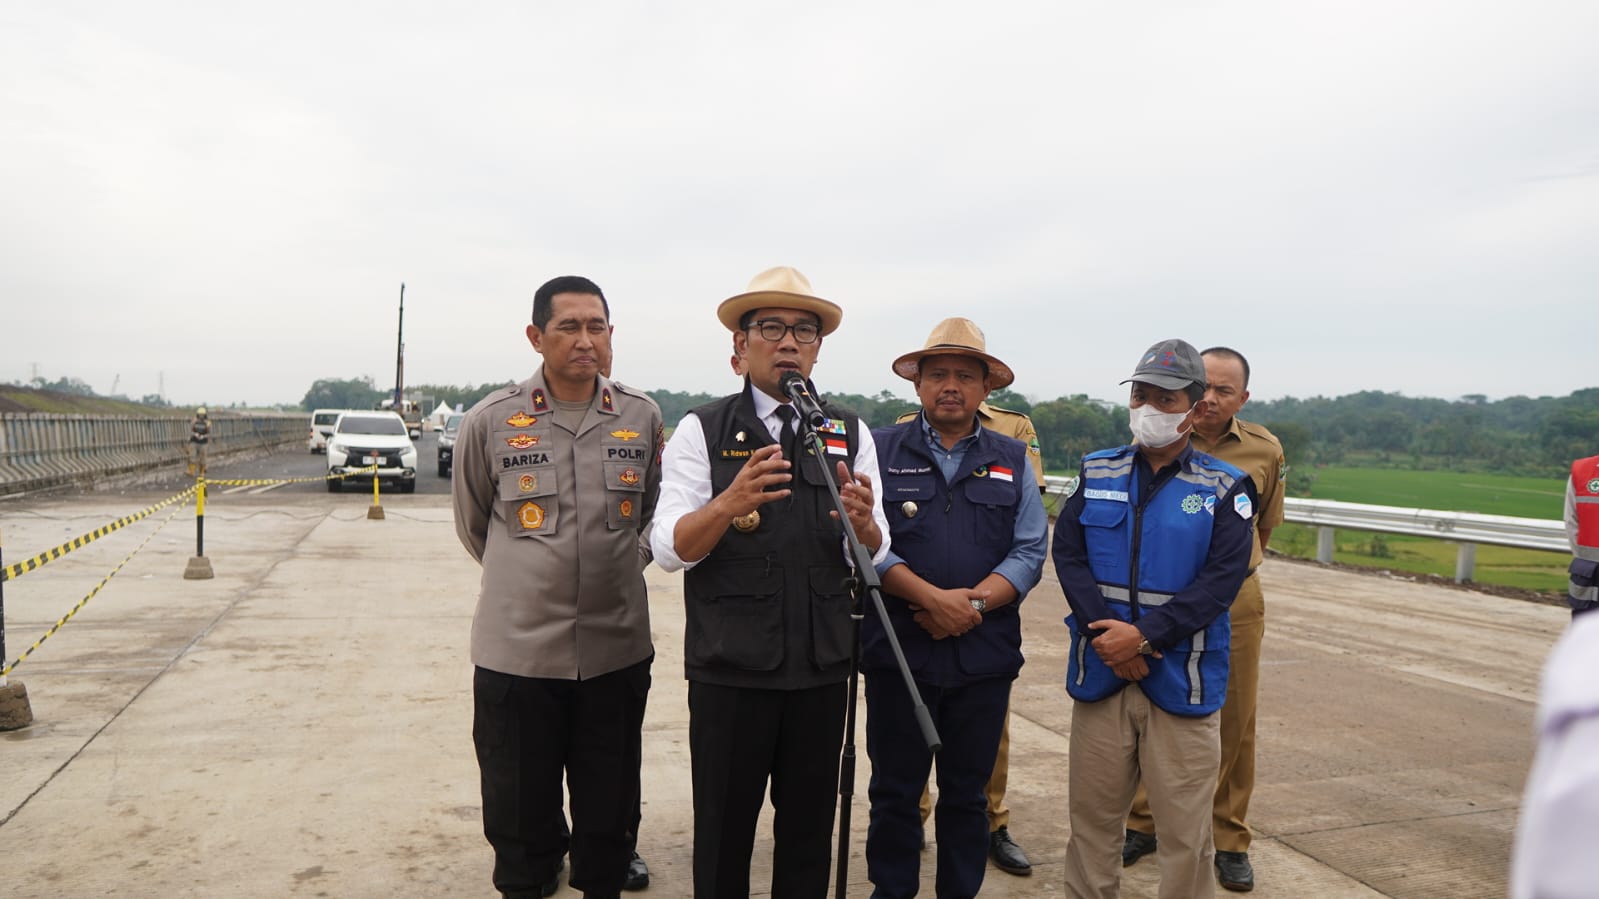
(1150,550)
(968,532)
(1002,848)
(745,511)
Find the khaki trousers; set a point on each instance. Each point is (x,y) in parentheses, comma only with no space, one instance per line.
(1113,743)
(998,811)
(1235,779)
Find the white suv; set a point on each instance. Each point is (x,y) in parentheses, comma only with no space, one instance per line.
(363,439)
(322,422)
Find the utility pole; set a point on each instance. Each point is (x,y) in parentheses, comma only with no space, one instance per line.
(399,357)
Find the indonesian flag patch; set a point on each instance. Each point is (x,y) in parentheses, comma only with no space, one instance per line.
(1003,474)
(836,447)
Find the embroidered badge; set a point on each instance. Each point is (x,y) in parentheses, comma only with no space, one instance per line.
(1002,474)
(1192,504)
(1243,506)
(539,403)
(833,426)
(531,515)
(628,477)
(521,441)
(527,483)
(980,471)
(1210,504)
(1071,489)
(836,447)
(606,403)
(624,434)
(520,420)
(626,508)
(1593,486)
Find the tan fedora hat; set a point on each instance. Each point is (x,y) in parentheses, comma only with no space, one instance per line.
(779,288)
(956,337)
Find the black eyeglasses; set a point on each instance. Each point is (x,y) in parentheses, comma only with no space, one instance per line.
(773,330)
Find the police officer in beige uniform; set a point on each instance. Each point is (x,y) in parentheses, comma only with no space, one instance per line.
(555,485)
(1007,855)
(1251,447)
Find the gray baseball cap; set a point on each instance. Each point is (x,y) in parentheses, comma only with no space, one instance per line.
(1172,364)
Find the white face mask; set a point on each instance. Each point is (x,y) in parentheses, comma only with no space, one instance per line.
(1153,428)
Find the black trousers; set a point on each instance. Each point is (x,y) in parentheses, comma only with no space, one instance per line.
(531,731)
(969,720)
(738,738)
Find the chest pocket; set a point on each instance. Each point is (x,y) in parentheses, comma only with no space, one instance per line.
(624,494)
(1102,522)
(993,510)
(531,502)
(909,503)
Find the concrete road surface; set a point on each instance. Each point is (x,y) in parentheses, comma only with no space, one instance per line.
(300,724)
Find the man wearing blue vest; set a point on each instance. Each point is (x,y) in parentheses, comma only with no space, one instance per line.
(968,537)
(1150,550)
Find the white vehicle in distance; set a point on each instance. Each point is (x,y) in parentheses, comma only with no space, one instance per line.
(363,439)
(322,422)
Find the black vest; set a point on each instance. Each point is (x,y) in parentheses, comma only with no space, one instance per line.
(768,608)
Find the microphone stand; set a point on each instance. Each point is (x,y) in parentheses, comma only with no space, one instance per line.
(865,582)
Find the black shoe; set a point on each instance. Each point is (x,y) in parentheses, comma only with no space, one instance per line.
(1137,846)
(638,875)
(1234,871)
(1008,856)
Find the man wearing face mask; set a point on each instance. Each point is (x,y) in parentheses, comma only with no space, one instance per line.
(1150,550)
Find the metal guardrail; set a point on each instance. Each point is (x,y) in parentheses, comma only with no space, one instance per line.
(1468,529)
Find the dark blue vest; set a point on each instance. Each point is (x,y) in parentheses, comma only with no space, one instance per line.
(1141,559)
(956,537)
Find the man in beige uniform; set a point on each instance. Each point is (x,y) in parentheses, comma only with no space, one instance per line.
(556,480)
(1006,854)
(1252,448)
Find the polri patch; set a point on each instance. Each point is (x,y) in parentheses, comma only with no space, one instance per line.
(521,420)
(521,441)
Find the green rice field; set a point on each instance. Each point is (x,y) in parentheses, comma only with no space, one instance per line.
(1488,494)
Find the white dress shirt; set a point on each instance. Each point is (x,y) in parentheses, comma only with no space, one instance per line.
(686,480)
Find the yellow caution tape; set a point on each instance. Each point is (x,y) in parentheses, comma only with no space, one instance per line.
(103,581)
(12,572)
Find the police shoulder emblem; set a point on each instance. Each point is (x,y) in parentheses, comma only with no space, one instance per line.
(520,420)
(624,434)
(521,441)
(540,404)
(531,515)
(606,402)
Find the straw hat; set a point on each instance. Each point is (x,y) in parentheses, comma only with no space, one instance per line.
(956,337)
(779,288)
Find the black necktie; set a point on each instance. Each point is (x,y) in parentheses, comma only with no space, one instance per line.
(786,413)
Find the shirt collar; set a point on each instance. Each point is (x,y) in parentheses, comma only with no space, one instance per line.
(936,440)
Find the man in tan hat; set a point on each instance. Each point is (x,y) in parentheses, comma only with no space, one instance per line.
(746,513)
(1002,848)
(968,531)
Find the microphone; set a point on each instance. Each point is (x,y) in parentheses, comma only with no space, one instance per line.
(798,392)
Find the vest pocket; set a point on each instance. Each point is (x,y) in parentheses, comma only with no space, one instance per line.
(831,629)
(743,629)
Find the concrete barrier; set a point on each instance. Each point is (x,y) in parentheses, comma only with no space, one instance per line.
(39,450)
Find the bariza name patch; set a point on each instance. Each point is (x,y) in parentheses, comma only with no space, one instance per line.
(524,459)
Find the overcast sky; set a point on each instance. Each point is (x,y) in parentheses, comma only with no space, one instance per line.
(221,199)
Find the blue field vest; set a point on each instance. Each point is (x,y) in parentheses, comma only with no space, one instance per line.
(1169,546)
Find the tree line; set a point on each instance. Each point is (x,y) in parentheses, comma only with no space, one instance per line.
(1517,435)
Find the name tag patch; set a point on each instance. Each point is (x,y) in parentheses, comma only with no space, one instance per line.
(1119,496)
(524,459)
